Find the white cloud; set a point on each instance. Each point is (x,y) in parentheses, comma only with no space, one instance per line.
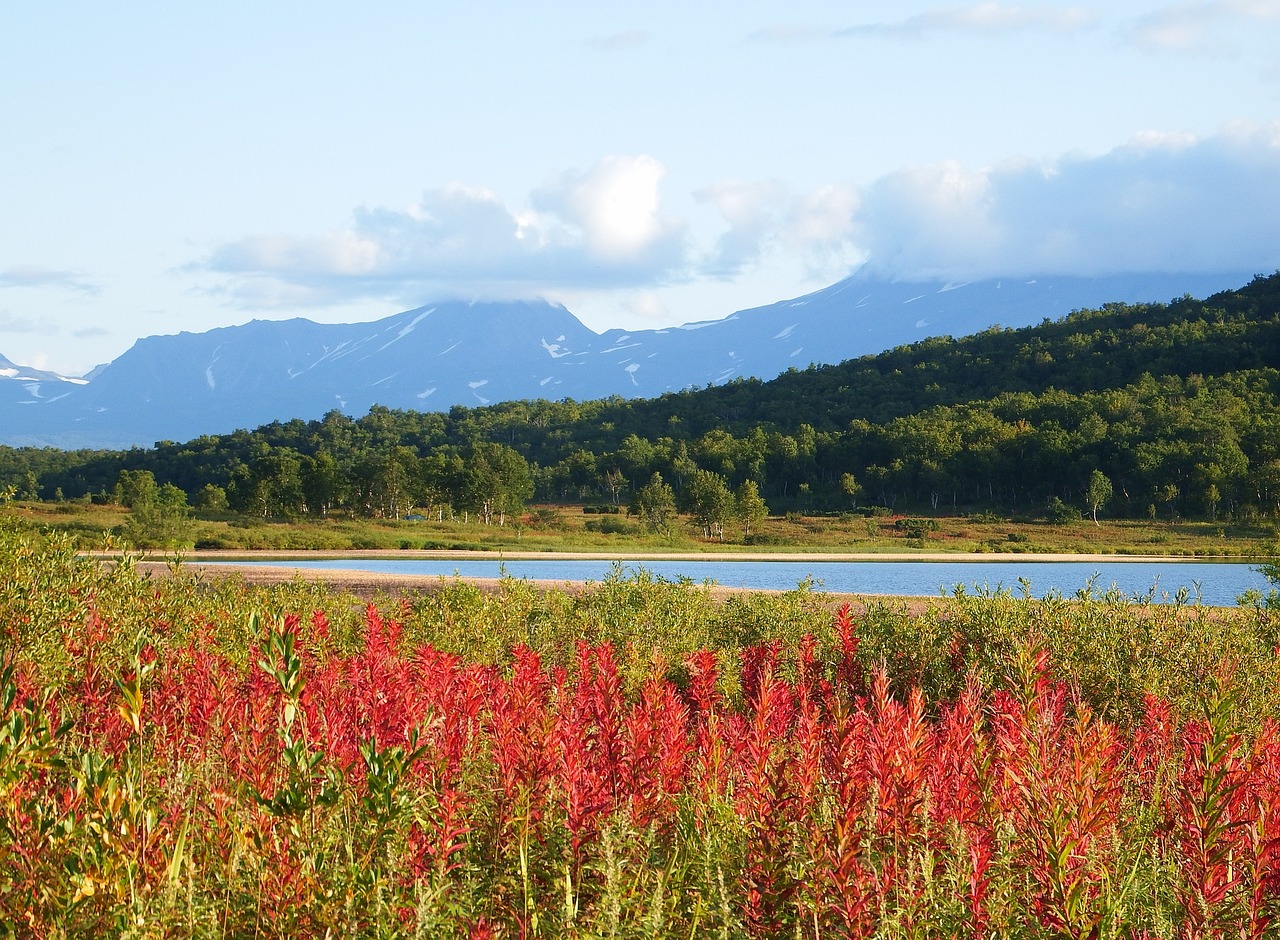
(30,275)
(1187,27)
(1199,26)
(616,204)
(647,305)
(765,221)
(752,211)
(819,229)
(1160,203)
(600,228)
(988,18)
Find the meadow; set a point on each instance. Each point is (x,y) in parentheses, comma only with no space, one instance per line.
(606,529)
(183,756)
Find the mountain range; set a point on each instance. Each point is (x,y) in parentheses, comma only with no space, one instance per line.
(181,386)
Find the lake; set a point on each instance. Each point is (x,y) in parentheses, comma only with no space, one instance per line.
(1215,583)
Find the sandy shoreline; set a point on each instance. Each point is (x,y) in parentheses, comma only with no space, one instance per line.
(225,555)
(367,584)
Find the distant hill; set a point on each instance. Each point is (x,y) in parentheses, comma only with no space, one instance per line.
(177,387)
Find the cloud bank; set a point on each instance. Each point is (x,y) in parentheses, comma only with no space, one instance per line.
(603,228)
(1158,203)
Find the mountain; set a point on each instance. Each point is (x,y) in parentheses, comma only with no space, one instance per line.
(23,386)
(181,386)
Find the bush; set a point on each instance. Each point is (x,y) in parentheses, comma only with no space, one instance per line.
(1060,513)
(916,529)
(610,526)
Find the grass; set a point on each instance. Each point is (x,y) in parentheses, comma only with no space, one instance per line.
(568,528)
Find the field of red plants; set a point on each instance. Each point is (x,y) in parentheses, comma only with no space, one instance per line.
(180,758)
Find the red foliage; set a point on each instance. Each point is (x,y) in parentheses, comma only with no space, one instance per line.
(838,785)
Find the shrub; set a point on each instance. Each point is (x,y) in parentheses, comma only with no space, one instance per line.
(916,529)
(1060,513)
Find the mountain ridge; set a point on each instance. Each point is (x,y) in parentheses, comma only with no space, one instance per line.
(180,386)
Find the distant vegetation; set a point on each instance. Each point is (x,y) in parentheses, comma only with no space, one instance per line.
(1153,411)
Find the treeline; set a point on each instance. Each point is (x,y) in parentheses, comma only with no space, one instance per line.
(1173,405)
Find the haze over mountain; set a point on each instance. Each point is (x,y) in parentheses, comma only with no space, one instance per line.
(178,387)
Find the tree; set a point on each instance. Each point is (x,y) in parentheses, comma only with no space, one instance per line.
(496,481)
(321,483)
(1097,493)
(211,498)
(1212,497)
(750,506)
(851,488)
(614,481)
(706,497)
(135,488)
(157,515)
(654,504)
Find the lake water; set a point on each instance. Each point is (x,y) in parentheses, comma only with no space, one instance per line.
(1216,583)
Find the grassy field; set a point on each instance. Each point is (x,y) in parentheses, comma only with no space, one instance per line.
(184,757)
(569,528)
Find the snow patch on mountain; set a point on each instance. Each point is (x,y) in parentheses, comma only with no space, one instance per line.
(555,350)
(408,328)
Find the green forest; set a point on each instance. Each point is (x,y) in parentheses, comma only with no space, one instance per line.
(1133,411)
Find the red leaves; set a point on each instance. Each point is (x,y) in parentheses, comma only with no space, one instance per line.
(843,805)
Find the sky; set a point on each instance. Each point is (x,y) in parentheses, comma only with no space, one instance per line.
(170,166)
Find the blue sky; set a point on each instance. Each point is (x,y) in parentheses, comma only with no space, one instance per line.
(169,167)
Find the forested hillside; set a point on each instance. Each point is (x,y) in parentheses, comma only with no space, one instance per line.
(1147,409)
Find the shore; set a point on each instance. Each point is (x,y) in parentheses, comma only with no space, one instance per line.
(284,557)
(366,584)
